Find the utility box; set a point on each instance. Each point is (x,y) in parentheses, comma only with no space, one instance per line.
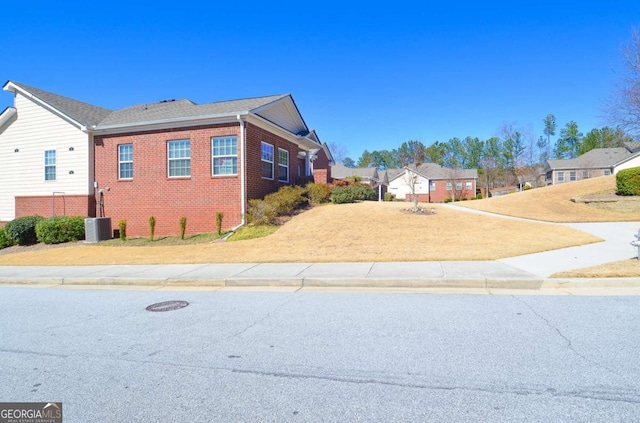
(97,229)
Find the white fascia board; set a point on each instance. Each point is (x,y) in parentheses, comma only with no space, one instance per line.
(289,102)
(167,123)
(7,115)
(10,86)
(416,172)
(633,156)
(263,123)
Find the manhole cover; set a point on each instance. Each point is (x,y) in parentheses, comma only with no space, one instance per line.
(167,306)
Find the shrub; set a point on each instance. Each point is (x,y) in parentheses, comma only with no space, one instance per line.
(4,239)
(318,193)
(122,226)
(628,181)
(352,193)
(526,187)
(447,200)
(478,196)
(22,231)
(183,226)
(58,229)
(260,212)
(388,196)
(219,217)
(152,227)
(287,199)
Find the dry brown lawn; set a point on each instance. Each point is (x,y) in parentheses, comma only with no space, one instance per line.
(617,269)
(552,203)
(369,231)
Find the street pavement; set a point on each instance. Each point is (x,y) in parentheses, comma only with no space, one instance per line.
(531,271)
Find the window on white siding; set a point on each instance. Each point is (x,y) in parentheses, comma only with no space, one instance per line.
(266,158)
(125,161)
(224,155)
(179,156)
(283,165)
(50,165)
(560,176)
(469,186)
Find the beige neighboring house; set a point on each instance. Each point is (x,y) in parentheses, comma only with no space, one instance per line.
(596,162)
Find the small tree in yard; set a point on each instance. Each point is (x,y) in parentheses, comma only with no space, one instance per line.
(152,227)
(219,217)
(411,178)
(122,226)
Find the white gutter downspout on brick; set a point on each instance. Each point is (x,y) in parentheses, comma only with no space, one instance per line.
(243,174)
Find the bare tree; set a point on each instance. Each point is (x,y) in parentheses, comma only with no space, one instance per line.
(338,151)
(623,108)
(411,178)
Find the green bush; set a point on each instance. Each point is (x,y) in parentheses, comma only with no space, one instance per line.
(22,231)
(447,200)
(260,212)
(284,202)
(318,193)
(122,227)
(352,193)
(628,181)
(4,239)
(388,196)
(58,229)
(478,196)
(152,227)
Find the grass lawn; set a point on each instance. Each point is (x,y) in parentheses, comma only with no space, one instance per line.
(373,231)
(617,269)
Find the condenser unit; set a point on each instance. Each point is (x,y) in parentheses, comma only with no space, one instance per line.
(97,229)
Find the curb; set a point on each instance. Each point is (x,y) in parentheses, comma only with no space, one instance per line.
(426,283)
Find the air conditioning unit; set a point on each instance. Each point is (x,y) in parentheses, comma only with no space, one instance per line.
(97,229)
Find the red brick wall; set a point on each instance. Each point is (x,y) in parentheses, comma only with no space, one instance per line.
(441,193)
(60,205)
(257,186)
(152,193)
(321,168)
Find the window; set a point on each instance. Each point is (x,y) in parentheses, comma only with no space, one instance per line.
(469,186)
(560,176)
(458,186)
(607,172)
(224,155)
(125,161)
(585,174)
(179,155)
(50,165)
(449,186)
(572,176)
(283,165)
(266,157)
(432,186)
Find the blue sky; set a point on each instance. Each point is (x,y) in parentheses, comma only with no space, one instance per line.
(363,76)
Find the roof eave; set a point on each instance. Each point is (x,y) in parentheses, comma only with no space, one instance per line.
(166,123)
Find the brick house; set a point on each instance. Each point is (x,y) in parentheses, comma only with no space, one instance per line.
(167,159)
(432,183)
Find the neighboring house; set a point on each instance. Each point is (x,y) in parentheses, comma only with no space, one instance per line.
(596,162)
(168,159)
(433,183)
(365,175)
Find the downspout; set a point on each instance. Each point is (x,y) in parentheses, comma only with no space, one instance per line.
(243,174)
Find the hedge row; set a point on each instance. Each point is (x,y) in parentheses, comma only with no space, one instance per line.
(32,229)
(628,181)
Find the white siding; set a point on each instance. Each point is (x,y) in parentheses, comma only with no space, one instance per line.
(35,130)
(284,115)
(635,162)
(400,187)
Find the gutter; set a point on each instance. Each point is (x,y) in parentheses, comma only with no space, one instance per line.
(243,174)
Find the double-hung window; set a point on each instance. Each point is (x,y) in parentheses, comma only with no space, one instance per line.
(458,186)
(224,155)
(266,160)
(572,176)
(469,186)
(432,186)
(125,161)
(560,176)
(449,186)
(50,165)
(179,157)
(283,165)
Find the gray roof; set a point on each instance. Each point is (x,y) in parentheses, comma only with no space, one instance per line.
(593,159)
(176,109)
(634,146)
(339,171)
(90,115)
(84,113)
(435,171)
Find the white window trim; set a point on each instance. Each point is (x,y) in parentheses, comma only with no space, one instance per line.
(54,166)
(267,161)
(285,166)
(213,158)
(560,174)
(468,185)
(120,162)
(181,158)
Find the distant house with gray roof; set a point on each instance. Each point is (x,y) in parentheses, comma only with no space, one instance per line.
(596,162)
(165,159)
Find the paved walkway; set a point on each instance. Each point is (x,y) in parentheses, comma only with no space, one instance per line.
(529,271)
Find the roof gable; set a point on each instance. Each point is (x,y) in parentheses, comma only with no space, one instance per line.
(81,112)
(593,159)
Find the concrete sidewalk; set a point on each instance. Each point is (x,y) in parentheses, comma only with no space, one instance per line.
(482,275)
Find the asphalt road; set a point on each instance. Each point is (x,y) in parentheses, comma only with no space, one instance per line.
(275,356)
